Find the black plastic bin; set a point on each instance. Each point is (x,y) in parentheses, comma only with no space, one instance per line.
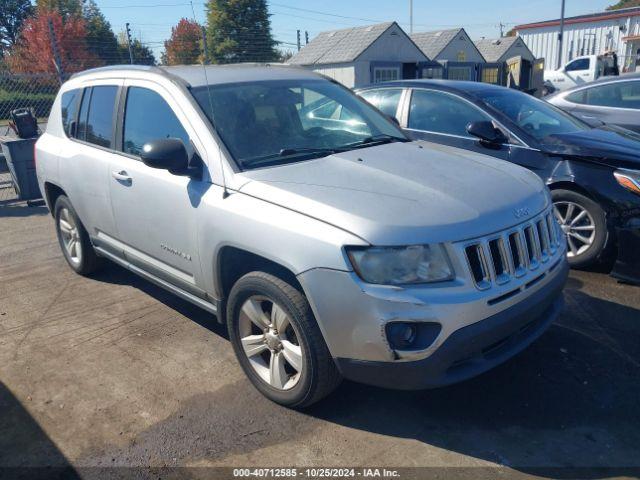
(18,153)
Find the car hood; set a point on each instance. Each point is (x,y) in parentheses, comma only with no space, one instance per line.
(609,145)
(404,193)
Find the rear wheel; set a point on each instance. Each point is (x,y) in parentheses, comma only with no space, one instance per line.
(584,225)
(277,341)
(74,239)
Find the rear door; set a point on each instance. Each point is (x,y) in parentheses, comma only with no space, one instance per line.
(442,117)
(89,119)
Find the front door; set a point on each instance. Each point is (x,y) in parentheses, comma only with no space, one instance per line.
(155,211)
(442,117)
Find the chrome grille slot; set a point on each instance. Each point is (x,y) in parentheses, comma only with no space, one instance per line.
(478,265)
(543,240)
(499,260)
(553,231)
(517,254)
(532,247)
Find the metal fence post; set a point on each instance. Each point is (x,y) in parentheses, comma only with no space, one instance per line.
(57,61)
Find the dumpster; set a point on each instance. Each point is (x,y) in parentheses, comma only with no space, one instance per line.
(18,153)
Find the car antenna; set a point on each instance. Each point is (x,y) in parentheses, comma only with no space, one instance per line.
(225,191)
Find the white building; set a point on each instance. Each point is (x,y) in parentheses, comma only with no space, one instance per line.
(363,55)
(594,34)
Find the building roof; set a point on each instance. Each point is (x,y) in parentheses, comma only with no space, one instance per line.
(432,43)
(339,46)
(592,17)
(492,49)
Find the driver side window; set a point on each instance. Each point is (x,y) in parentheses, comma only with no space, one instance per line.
(139,128)
(580,64)
(440,112)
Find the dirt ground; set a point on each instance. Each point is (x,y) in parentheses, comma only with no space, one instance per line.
(113,371)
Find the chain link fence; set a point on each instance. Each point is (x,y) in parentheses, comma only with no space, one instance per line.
(27,90)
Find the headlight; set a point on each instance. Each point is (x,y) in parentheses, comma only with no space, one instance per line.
(401,265)
(629,179)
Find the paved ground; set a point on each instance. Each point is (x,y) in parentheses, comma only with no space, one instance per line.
(114,371)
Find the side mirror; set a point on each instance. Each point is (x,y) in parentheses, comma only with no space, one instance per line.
(166,154)
(487,133)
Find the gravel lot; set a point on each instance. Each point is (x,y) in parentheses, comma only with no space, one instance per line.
(114,371)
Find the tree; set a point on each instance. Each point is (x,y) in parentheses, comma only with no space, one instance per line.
(184,46)
(66,8)
(101,41)
(12,16)
(34,52)
(239,31)
(624,4)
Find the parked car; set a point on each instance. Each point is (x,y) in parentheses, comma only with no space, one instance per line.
(593,173)
(330,245)
(612,100)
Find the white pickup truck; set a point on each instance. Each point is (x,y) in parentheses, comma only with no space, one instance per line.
(579,70)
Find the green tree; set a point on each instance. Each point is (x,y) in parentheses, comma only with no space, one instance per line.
(239,31)
(12,15)
(66,8)
(101,40)
(624,4)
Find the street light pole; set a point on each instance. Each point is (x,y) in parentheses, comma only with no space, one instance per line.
(560,35)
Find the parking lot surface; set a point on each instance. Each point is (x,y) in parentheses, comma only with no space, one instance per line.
(113,371)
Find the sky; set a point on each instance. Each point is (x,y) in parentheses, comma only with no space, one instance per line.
(151,20)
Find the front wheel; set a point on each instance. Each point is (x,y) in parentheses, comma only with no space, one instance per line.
(278,342)
(584,225)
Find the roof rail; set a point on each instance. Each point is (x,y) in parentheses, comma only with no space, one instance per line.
(144,68)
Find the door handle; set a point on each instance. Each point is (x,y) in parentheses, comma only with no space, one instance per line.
(122,176)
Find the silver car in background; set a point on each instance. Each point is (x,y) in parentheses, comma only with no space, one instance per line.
(614,100)
(329,244)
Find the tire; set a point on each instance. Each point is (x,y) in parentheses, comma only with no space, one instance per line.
(82,258)
(258,302)
(590,225)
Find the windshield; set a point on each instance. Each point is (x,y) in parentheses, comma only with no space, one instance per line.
(274,122)
(536,117)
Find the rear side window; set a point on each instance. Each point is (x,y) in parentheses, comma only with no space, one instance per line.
(148,117)
(384,100)
(82,117)
(69,109)
(100,116)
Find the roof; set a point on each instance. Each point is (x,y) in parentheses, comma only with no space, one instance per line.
(339,46)
(608,15)
(467,87)
(199,75)
(492,49)
(432,43)
(625,77)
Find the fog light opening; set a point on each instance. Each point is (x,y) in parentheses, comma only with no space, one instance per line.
(411,335)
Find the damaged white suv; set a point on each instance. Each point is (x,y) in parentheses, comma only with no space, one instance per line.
(303,218)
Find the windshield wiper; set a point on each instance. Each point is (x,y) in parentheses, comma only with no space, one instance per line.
(375,139)
(287,152)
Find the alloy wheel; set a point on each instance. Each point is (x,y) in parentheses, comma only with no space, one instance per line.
(270,342)
(70,236)
(578,226)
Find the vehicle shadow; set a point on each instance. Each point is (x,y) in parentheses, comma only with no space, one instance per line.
(566,407)
(115,274)
(25,449)
(14,208)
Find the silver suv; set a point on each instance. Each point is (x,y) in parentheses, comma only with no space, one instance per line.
(303,218)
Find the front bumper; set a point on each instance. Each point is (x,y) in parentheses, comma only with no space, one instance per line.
(627,266)
(471,350)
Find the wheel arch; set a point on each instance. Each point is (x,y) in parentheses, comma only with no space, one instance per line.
(572,186)
(52,192)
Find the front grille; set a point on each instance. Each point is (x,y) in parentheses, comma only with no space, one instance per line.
(499,258)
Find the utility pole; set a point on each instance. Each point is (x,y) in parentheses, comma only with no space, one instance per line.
(411,16)
(57,61)
(306,37)
(129,43)
(502,25)
(299,45)
(560,35)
